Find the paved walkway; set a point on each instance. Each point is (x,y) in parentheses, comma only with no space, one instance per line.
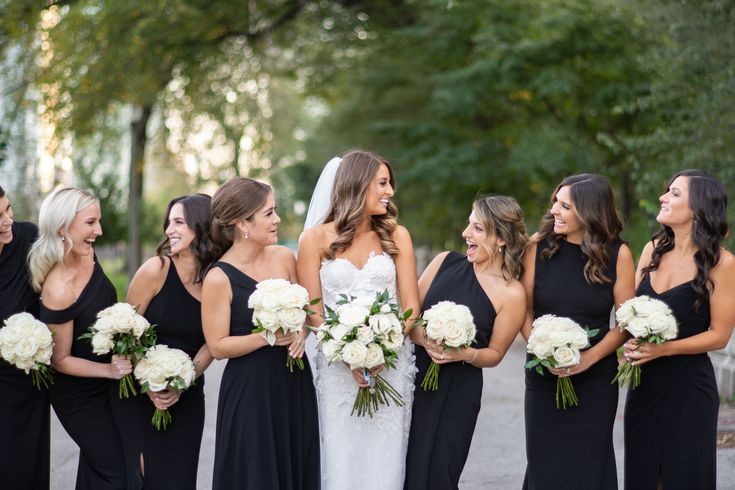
(497,457)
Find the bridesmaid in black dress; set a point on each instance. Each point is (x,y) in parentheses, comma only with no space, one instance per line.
(576,267)
(486,281)
(267,423)
(74,289)
(671,418)
(167,290)
(24,410)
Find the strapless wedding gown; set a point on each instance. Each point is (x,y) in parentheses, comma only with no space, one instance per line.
(362,452)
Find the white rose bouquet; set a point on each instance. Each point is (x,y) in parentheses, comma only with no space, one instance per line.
(555,342)
(160,369)
(27,344)
(365,334)
(280,305)
(648,320)
(120,330)
(448,324)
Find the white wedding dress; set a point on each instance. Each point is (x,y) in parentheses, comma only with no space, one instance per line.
(362,452)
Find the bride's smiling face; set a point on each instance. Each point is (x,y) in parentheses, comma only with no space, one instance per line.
(379,192)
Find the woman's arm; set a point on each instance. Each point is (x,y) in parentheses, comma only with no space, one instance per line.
(406,282)
(417,334)
(307,270)
(527,280)
(216,300)
(623,290)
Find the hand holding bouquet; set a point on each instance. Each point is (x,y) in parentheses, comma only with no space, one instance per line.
(120,330)
(648,320)
(365,334)
(280,305)
(27,344)
(555,342)
(164,368)
(450,325)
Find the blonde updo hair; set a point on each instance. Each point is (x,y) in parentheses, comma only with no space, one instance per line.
(503,217)
(57,213)
(237,199)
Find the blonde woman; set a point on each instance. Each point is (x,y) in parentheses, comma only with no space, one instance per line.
(486,280)
(74,288)
(360,250)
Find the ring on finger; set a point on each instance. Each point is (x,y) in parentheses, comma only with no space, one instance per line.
(442,356)
(569,370)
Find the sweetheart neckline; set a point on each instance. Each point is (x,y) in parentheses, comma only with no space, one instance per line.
(370,257)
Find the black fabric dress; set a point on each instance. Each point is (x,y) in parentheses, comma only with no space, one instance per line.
(171,456)
(572,448)
(267,422)
(83,404)
(671,418)
(24,410)
(443,421)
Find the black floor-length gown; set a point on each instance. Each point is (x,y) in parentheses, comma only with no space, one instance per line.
(572,448)
(443,421)
(24,410)
(83,404)
(671,418)
(267,421)
(171,456)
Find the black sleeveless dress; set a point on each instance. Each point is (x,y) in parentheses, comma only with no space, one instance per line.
(171,456)
(83,404)
(443,421)
(24,410)
(267,421)
(572,448)
(671,418)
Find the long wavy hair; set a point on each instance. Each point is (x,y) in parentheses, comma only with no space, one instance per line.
(594,206)
(57,213)
(237,199)
(347,204)
(198,216)
(503,216)
(708,202)
(2,191)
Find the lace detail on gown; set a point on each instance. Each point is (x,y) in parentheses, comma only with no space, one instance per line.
(362,452)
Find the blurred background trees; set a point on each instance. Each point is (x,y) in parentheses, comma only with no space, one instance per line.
(143,101)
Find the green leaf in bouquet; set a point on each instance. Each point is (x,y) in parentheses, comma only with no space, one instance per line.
(591,333)
(533,363)
(315,301)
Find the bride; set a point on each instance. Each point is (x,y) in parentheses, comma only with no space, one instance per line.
(359,249)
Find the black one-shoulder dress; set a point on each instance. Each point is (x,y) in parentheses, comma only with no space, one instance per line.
(24,410)
(443,421)
(267,421)
(671,418)
(572,448)
(83,404)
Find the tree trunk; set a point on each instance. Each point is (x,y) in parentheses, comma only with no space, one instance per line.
(138,140)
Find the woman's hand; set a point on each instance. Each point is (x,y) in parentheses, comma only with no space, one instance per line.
(120,366)
(297,346)
(163,399)
(643,352)
(585,362)
(283,339)
(444,356)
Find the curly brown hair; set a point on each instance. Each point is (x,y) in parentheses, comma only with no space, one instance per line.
(594,206)
(347,203)
(503,216)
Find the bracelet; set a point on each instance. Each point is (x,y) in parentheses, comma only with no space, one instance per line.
(477,351)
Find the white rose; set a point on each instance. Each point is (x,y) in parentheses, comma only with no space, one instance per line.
(540,349)
(26,348)
(102,343)
(105,325)
(566,356)
(268,319)
(339,331)
(294,297)
(385,309)
(435,330)
(354,354)
(321,332)
(44,354)
(7,352)
(277,286)
(292,318)
(374,356)
(118,310)
(638,327)
(579,339)
(558,338)
(624,314)
(352,315)
(659,322)
(365,335)
(455,335)
(269,300)
(332,350)
(26,364)
(139,325)
(383,323)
